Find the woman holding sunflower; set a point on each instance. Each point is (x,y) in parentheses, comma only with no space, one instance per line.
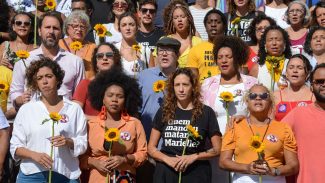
(44,156)
(264,150)
(117,141)
(185,125)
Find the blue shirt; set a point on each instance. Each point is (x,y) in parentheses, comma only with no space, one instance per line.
(151,101)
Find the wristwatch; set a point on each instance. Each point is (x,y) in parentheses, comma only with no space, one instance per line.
(276,172)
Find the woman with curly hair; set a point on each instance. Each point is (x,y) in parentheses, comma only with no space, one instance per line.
(180,26)
(318,14)
(117,96)
(21,33)
(180,155)
(315,45)
(106,56)
(31,140)
(255,31)
(274,52)
(240,15)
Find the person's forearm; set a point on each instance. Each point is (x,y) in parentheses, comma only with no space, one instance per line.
(24,153)
(5,36)
(4,141)
(234,167)
(157,155)
(287,170)
(207,154)
(19,102)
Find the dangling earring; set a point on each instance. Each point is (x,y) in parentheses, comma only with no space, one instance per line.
(125,115)
(102,115)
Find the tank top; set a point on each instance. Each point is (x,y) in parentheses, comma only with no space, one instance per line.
(284,107)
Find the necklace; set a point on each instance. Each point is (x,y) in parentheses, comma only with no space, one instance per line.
(250,127)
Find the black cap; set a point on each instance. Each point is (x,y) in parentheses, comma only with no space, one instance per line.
(170,42)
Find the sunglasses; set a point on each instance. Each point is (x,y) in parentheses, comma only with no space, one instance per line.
(319,82)
(120,4)
(19,23)
(146,10)
(263,96)
(100,56)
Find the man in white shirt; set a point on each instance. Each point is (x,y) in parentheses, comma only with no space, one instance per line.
(4,141)
(50,31)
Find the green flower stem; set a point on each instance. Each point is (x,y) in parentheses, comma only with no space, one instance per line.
(108,177)
(184,148)
(35,25)
(227,111)
(24,63)
(51,153)
(272,78)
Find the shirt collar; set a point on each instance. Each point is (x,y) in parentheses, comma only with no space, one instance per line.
(61,53)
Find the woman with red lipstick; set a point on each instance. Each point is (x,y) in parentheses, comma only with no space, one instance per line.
(21,33)
(297,17)
(230,54)
(274,50)
(278,157)
(75,28)
(297,94)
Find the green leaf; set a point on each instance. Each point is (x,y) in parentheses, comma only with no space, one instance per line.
(109,34)
(120,141)
(45,120)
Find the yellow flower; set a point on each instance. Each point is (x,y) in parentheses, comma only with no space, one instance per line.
(256,144)
(50,4)
(159,86)
(275,63)
(4,87)
(76,45)
(236,20)
(55,116)
(22,54)
(193,131)
(101,30)
(227,96)
(112,135)
(136,47)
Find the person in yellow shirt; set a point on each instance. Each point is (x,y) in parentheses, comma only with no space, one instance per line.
(5,80)
(200,57)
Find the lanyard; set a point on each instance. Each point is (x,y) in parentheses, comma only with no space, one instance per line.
(250,127)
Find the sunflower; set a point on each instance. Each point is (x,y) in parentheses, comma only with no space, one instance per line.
(50,5)
(112,135)
(235,21)
(192,131)
(4,87)
(159,86)
(55,116)
(227,96)
(136,47)
(76,45)
(22,54)
(256,144)
(101,30)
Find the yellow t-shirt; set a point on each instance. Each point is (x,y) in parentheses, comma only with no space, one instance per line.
(201,57)
(5,77)
(278,137)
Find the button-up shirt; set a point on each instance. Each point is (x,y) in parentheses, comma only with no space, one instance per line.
(72,65)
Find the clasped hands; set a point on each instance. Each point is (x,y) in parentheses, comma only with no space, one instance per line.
(106,166)
(181,163)
(259,168)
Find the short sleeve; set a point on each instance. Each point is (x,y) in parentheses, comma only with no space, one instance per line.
(290,143)
(3,120)
(81,92)
(157,121)
(192,59)
(228,141)
(213,122)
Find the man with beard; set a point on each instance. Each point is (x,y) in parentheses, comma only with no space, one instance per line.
(200,57)
(50,31)
(308,126)
(148,34)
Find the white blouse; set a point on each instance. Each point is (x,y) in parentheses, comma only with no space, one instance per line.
(29,133)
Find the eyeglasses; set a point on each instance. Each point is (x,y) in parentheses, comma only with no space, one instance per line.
(19,23)
(261,29)
(75,26)
(263,96)
(166,51)
(146,10)
(100,56)
(319,82)
(120,4)
(298,11)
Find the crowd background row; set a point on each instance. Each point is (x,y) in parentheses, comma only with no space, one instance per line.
(116,76)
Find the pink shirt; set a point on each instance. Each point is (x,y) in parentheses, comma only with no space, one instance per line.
(308,126)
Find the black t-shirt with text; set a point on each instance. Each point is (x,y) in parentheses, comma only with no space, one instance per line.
(174,133)
(149,39)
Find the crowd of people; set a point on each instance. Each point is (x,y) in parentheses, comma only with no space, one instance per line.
(162,91)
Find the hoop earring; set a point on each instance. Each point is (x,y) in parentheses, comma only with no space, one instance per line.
(102,115)
(125,115)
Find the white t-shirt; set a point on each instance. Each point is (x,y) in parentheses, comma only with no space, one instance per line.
(116,35)
(198,16)
(3,120)
(278,15)
(237,107)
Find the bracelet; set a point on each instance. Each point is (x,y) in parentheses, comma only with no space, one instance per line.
(276,172)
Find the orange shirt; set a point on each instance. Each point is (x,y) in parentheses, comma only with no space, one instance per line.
(278,137)
(86,53)
(134,139)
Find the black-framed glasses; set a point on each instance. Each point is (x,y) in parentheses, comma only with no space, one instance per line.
(319,82)
(146,10)
(263,96)
(100,56)
(19,23)
(167,51)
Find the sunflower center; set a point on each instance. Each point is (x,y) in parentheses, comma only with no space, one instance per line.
(112,135)
(2,86)
(100,31)
(256,144)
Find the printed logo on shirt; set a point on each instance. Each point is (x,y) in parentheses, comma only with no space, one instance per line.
(302,104)
(64,118)
(272,138)
(238,92)
(282,108)
(125,136)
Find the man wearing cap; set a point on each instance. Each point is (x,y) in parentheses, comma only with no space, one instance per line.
(167,56)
